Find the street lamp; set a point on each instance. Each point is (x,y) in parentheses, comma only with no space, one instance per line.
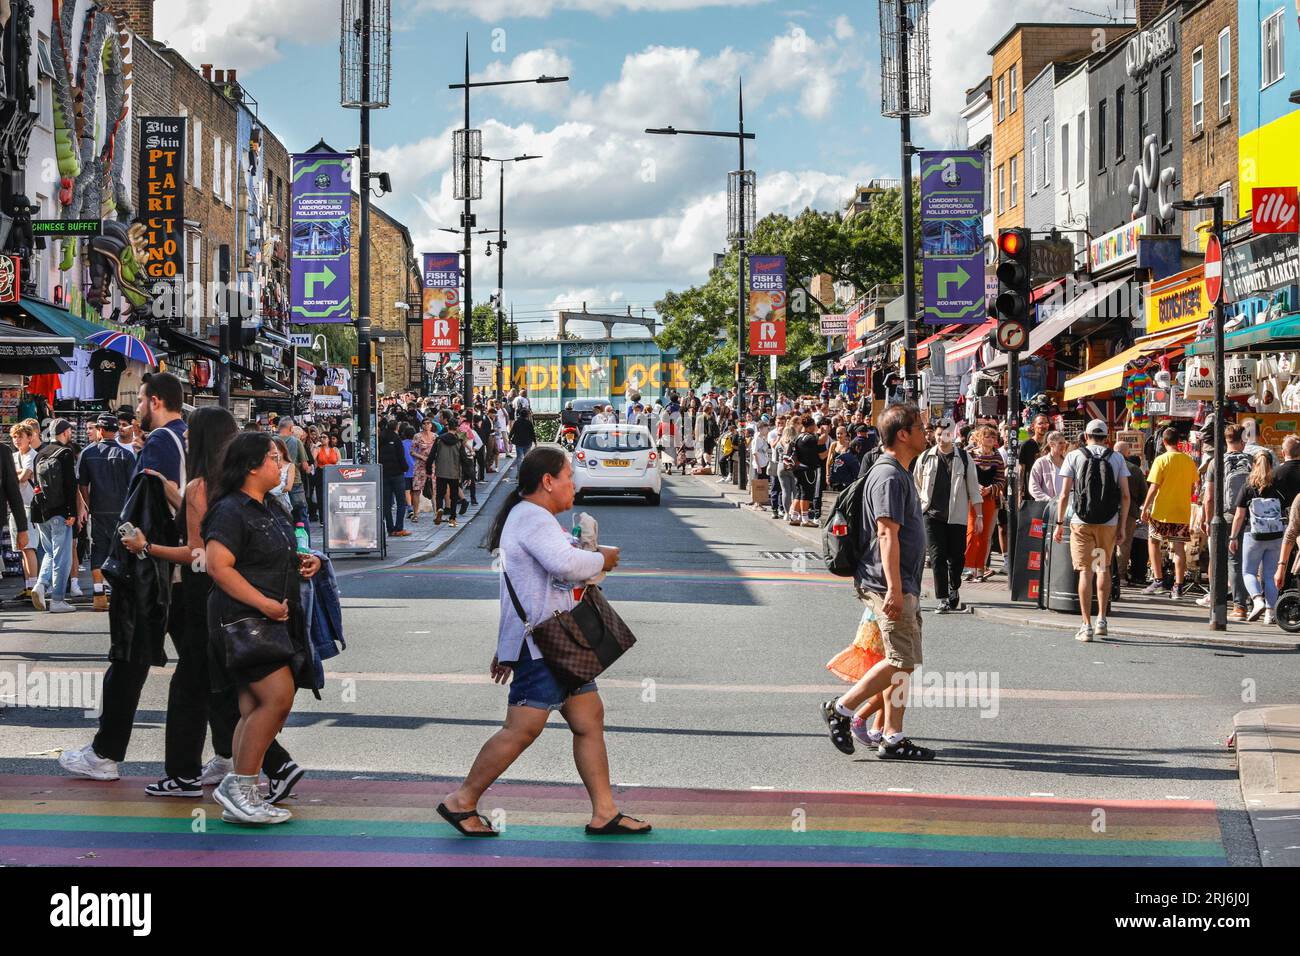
(324,347)
(1218,536)
(740,187)
(501,244)
(468,145)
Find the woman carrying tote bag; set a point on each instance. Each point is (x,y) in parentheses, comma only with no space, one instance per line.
(544,567)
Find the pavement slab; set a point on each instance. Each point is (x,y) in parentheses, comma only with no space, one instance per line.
(1267,740)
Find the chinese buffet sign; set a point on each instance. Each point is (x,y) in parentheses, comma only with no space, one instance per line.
(952,236)
(766,311)
(441,302)
(321,262)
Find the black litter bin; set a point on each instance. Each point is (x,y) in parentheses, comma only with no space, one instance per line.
(1060,590)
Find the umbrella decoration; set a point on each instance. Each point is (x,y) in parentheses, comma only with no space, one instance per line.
(128,345)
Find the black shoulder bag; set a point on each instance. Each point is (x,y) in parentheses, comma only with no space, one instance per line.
(255,640)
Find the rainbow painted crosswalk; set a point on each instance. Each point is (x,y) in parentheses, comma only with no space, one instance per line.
(61,821)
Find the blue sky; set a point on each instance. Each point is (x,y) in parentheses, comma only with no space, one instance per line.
(609,216)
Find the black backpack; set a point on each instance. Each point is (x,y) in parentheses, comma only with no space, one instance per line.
(1097,495)
(844,535)
(49,482)
(844,469)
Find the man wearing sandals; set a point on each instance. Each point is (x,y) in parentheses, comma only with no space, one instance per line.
(888,578)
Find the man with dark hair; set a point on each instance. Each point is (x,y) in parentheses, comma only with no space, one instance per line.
(159,414)
(54,514)
(888,579)
(103,473)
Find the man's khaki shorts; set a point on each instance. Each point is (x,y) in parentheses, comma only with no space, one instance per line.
(902,638)
(1086,540)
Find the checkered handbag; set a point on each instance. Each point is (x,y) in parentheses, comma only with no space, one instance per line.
(578,645)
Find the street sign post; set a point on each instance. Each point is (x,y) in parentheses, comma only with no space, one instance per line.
(1213,270)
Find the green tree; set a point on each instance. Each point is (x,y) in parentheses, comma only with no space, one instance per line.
(340,340)
(867,250)
(485,325)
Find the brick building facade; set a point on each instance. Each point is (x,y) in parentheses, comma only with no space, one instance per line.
(1209,108)
(394,275)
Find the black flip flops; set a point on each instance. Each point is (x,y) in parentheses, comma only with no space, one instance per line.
(456,820)
(615,827)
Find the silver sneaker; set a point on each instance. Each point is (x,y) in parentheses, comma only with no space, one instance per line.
(86,763)
(244,803)
(214,771)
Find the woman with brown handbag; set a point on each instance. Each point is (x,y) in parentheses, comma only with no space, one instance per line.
(543,568)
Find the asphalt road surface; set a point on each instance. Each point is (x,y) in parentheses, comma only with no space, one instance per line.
(722,689)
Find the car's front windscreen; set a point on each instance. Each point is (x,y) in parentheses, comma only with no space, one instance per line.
(616,440)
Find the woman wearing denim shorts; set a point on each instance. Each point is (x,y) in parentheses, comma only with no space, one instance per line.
(544,568)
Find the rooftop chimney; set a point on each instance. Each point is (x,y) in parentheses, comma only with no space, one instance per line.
(230,76)
(206,69)
(221,76)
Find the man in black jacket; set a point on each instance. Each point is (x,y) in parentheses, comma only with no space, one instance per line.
(392,456)
(54,513)
(11,500)
(104,474)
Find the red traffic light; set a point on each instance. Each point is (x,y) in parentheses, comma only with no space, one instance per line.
(1011,242)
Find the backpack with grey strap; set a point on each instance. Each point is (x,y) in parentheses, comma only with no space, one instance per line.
(578,645)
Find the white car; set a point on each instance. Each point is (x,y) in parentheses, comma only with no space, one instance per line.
(616,460)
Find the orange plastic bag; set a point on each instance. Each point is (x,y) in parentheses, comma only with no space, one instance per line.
(864,653)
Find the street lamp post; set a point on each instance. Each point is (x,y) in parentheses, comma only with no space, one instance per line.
(743,183)
(468,153)
(1218,530)
(500,243)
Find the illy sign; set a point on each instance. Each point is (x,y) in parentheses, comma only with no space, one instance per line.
(1274,210)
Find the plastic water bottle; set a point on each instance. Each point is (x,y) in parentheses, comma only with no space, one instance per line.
(304,542)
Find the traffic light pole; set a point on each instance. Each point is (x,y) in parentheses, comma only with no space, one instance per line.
(1013,460)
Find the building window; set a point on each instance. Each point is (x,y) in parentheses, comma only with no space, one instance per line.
(1101,136)
(44,85)
(1119,123)
(1270,57)
(195,278)
(198,153)
(1225,190)
(1002,98)
(1002,190)
(1013,85)
(1046,176)
(1144,118)
(1015,181)
(216,167)
(1198,90)
(1081,143)
(226,172)
(1065,157)
(1031,180)
(1166,108)
(1225,70)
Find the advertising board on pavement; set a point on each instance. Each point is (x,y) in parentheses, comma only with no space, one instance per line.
(353,510)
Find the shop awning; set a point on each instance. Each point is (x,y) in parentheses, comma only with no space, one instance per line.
(58,321)
(923,347)
(1256,336)
(1044,332)
(969,344)
(807,363)
(28,352)
(178,342)
(1109,375)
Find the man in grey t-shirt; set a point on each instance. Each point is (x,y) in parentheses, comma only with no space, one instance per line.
(889,583)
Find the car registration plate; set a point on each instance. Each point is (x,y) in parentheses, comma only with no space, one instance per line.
(616,463)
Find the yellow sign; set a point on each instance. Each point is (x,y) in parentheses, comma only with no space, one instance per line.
(1177,301)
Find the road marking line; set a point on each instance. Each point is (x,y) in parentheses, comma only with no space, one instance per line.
(901,790)
(1036,793)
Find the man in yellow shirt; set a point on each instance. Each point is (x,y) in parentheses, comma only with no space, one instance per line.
(1168,511)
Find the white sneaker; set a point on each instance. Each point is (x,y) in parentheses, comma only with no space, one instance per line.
(38,596)
(215,770)
(74,588)
(1268,617)
(1083,634)
(61,607)
(1258,608)
(1203,601)
(1100,629)
(86,763)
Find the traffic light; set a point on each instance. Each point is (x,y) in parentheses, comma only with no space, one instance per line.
(1014,291)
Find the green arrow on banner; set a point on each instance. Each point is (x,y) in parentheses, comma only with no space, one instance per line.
(945,279)
(325,277)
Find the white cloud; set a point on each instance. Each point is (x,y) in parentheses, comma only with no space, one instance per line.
(843,28)
(238,33)
(501,9)
(961,33)
(538,97)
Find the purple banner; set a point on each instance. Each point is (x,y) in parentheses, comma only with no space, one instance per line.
(952,236)
(320,289)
